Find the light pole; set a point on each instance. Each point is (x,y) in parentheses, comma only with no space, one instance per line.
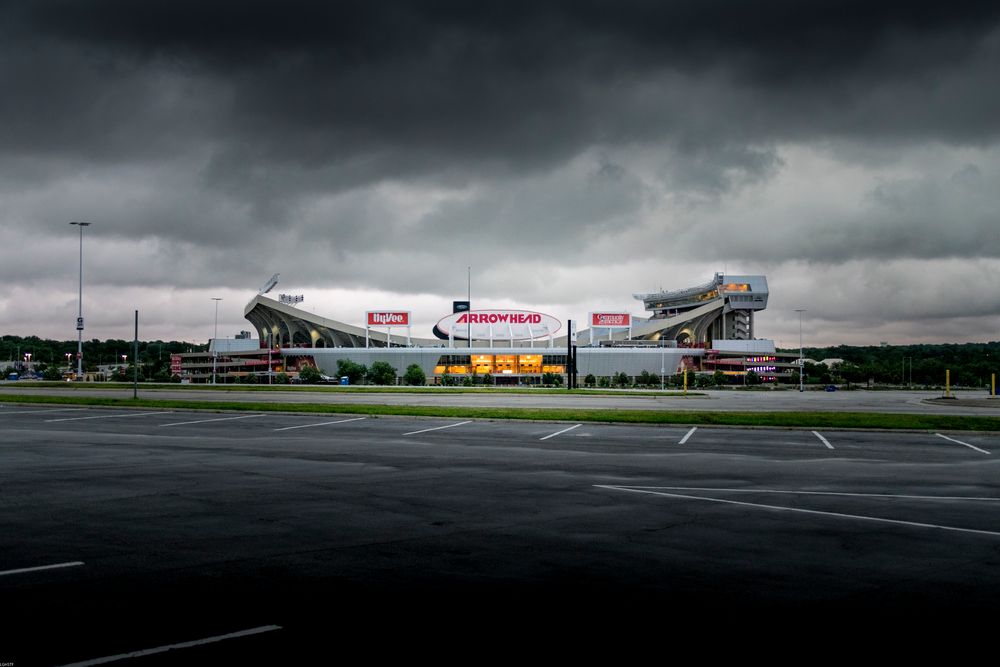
(215,342)
(801,366)
(663,365)
(79,314)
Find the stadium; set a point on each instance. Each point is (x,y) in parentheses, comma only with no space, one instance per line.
(707,327)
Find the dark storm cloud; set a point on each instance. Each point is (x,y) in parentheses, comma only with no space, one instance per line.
(378,145)
(420,84)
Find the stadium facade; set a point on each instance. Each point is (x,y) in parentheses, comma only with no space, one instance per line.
(708,326)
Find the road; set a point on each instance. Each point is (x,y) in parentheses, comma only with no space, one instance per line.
(403,535)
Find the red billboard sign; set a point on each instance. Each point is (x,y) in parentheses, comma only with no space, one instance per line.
(497,325)
(388,318)
(623,320)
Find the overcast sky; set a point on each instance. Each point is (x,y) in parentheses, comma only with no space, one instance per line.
(572,153)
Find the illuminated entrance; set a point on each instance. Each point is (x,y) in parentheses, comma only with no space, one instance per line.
(501,365)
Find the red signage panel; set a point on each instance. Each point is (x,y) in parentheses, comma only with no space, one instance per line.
(610,320)
(388,318)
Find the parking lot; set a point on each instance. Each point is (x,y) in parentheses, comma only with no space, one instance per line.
(250,523)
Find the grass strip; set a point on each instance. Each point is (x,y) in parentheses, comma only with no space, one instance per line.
(76,386)
(814,420)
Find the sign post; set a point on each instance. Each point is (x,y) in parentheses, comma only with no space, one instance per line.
(610,321)
(387,319)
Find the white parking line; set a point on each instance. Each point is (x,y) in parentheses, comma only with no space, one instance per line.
(792,492)
(962,443)
(171,647)
(688,435)
(128,414)
(220,419)
(779,508)
(552,435)
(41,567)
(341,421)
(823,440)
(38,412)
(438,428)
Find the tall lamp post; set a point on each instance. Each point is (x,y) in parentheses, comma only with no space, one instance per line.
(801,365)
(79,313)
(215,341)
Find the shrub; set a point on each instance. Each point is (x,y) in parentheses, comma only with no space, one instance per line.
(414,375)
(382,373)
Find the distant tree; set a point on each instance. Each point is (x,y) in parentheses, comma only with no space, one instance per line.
(446,379)
(605,381)
(51,373)
(552,379)
(752,378)
(590,380)
(414,375)
(355,372)
(382,373)
(309,374)
(718,378)
(175,378)
(622,379)
(281,378)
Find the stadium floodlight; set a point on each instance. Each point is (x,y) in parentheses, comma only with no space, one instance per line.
(270,284)
(215,340)
(801,364)
(79,314)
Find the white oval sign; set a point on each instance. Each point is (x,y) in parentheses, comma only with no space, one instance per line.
(497,325)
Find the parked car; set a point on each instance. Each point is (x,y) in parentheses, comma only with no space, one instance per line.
(831,387)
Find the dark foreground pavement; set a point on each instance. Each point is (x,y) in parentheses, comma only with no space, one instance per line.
(396,537)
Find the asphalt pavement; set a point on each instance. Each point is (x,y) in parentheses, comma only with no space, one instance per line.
(263,539)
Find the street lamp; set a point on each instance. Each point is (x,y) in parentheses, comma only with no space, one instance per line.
(79,314)
(801,365)
(215,342)
(68,355)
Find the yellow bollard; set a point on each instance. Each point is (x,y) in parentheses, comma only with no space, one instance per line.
(685,382)
(993,385)
(947,383)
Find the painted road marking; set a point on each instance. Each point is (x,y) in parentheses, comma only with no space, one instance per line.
(38,412)
(779,508)
(171,647)
(962,443)
(342,421)
(822,493)
(688,435)
(552,435)
(438,428)
(823,440)
(74,563)
(130,414)
(205,421)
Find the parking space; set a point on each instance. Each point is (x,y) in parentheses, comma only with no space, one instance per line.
(267,427)
(117,516)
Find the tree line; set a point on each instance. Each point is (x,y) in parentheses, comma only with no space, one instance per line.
(154,356)
(971,364)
